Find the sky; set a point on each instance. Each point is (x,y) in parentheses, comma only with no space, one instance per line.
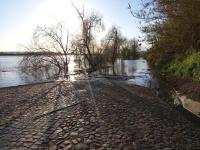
(19,18)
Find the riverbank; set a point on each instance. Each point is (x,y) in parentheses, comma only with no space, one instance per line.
(94,114)
(186,87)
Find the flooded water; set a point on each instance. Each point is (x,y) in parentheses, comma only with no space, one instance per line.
(136,71)
(12,75)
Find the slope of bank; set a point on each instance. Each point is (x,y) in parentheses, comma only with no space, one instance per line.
(180,75)
(186,87)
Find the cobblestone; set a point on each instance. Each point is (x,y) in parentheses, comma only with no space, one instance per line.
(38,117)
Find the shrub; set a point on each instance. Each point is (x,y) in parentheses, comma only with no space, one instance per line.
(188,67)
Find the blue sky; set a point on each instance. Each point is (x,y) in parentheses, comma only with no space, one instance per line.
(19,17)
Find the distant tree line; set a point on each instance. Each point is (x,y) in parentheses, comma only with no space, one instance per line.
(27,53)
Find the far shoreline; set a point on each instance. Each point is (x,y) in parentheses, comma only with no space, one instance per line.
(29,84)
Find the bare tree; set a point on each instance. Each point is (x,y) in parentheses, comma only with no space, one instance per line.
(86,43)
(52,48)
(130,49)
(113,40)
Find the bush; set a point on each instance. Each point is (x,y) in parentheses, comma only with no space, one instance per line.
(188,67)
(158,58)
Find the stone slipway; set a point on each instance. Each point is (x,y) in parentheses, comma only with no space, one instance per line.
(95,114)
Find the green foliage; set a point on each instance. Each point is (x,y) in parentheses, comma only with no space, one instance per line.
(157,58)
(172,28)
(187,67)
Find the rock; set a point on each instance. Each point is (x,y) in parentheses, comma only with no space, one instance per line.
(128,147)
(59,142)
(118,136)
(97,135)
(92,119)
(97,143)
(58,131)
(66,135)
(110,131)
(74,134)
(60,138)
(86,135)
(53,147)
(62,145)
(74,141)
(68,147)
(97,130)
(90,112)
(81,146)
(105,145)
(101,148)
(81,120)
(101,121)
(67,142)
(91,136)
(65,128)
(81,129)
(88,141)
(167,148)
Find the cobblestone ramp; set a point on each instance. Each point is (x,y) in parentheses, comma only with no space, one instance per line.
(98,114)
(30,124)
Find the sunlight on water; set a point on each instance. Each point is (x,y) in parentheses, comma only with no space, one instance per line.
(11,74)
(137,72)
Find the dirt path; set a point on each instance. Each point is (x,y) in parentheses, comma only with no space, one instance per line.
(100,114)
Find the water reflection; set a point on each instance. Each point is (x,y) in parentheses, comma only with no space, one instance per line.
(135,71)
(9,70)
(13,74)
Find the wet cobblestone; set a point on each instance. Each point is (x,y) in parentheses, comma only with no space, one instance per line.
(95,115)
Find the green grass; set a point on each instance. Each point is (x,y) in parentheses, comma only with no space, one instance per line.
(187,67)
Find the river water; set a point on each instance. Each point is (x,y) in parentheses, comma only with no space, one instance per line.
(137,71)
(11,73)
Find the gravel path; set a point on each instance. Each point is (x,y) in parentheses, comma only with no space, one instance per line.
(100,114)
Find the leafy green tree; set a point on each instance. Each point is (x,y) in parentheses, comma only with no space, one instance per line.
(172,27)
